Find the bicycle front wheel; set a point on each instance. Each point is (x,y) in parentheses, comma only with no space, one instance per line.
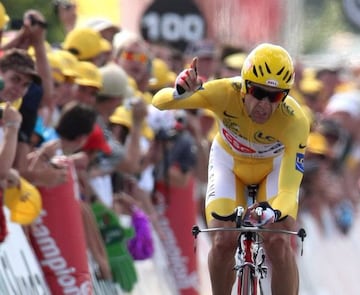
(247,283)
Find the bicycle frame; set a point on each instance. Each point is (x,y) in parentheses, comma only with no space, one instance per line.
(250,256)
(249,263)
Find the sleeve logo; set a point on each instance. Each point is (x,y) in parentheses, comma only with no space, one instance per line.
(299,165)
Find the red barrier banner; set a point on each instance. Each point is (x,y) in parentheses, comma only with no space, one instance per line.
(177,217)
(58,239)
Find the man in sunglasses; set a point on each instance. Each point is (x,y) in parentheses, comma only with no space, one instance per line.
(261,140)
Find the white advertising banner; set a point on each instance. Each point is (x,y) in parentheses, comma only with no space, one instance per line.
(20,273)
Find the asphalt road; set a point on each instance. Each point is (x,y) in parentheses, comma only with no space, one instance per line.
(329,265)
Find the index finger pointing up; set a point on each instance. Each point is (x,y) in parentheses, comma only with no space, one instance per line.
(193,64)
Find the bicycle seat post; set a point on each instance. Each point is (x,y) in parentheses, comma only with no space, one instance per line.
(252,192)
(239,216)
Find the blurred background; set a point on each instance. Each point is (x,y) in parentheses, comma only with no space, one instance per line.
(303,26)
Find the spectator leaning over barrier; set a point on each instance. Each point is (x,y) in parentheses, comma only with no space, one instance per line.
(30,94)
(75,124)
(18,72)
(32,34)
(73,128)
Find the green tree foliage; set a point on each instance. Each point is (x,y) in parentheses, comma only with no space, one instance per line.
(16,8)
(322,19)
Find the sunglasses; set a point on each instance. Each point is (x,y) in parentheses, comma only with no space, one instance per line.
(132,56)
(260,93)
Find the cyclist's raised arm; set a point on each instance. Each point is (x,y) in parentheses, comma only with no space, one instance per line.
(211,95)
(214,95)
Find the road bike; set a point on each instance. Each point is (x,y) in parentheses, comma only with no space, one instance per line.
(250,255)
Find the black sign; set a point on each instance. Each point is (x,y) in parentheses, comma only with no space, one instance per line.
(176,22)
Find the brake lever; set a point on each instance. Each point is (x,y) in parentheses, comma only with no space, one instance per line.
(259,213)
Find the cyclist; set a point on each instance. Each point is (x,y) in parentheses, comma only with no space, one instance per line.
(261,140)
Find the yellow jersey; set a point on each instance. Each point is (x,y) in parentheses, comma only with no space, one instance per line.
(284,134)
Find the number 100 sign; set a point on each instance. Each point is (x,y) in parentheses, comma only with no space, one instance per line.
(177,24)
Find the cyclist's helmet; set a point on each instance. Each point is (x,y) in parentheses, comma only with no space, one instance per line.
(269,65)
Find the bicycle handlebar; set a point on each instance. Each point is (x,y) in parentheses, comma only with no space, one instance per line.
(236,217)
(301,233)
(230,217)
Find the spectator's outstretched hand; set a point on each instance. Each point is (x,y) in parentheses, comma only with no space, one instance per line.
(32,32)
(11,117)
(35,27)
(139,112)
(49,173)
(12,179)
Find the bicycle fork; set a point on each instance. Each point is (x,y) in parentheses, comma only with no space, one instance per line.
(250,265)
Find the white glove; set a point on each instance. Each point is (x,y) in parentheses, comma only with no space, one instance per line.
(187,82)
(261,214)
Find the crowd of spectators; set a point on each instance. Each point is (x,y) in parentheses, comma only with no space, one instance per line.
(89,99)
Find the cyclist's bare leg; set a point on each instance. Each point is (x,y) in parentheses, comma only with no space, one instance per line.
(221,259)
(285,276)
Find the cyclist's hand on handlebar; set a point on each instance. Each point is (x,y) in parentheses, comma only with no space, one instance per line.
(260,214)
(187,81)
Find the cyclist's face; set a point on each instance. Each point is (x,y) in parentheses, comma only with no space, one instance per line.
(258,110)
